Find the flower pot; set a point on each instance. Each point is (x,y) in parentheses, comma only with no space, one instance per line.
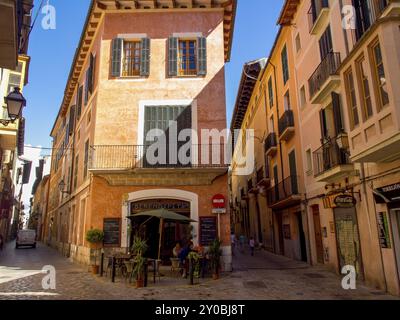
(95,245)
(95,269)
(139,283)
(215,276)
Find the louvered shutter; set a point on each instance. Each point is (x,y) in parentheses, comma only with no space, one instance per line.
(91,73)
(337,113)
(173,57)
(79,102)
(202,56)
(322,124)
(116,57)
(72,120)
(86,87)
(145,58)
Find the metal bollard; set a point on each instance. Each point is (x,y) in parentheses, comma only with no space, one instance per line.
(113,270)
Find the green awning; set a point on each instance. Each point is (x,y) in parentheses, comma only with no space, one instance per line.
(163,214)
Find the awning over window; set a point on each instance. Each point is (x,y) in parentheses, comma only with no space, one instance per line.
(387,194)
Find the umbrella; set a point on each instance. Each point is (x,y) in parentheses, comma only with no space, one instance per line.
(162,214)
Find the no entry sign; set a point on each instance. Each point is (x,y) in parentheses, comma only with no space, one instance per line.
(218,201)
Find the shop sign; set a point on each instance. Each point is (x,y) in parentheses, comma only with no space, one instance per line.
(388,193)
(345,201)
(384,238)
(218,210)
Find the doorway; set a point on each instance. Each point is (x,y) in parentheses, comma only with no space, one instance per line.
(302,237)
(395,222)
(348,239)
(281,246)
(317,233)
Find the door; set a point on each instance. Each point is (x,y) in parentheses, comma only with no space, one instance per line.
(348,240)
(325,43)
(293,173)
(278,216)
(395,219)
(302,237)
(318,236)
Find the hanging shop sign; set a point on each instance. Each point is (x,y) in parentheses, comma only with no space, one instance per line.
(345,201)
(387,194)
(218,204)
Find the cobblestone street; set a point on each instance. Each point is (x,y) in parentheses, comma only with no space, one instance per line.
(264,276)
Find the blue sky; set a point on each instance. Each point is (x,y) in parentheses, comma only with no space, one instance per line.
(52,52)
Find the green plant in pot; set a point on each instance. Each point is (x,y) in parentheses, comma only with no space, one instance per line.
(215,253)
(95,238)
(139,247)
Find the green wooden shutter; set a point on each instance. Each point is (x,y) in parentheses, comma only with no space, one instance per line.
(202,56)
(337,113)
(79,102)
(72,120)
(116,57)
(91,73)
(145,58)
(86,98)
(172,57)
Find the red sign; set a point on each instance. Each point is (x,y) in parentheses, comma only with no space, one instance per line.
(218,201)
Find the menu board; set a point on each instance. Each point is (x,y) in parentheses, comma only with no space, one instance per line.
(383,228)
(208,230)
(111,228)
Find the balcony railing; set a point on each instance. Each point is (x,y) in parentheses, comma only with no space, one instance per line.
(328,67)
(271,142)
(367,15)
(286,122)
(125,157)
(283,190)
(329,156)
(315,10)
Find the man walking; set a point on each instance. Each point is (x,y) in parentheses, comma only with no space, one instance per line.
(252,245)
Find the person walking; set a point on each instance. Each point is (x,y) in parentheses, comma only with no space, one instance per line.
(233,242)
(242,240)
(252,245)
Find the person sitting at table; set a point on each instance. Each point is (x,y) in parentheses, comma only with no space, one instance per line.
(177,249)
(182,257)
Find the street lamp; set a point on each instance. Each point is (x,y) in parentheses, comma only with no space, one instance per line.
(61,187)
(15,102)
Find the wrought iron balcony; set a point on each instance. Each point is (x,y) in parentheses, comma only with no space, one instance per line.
(286,125)
(128,157)
(271,145)
(325,78)
(331,162)
(284,193)
(319,10)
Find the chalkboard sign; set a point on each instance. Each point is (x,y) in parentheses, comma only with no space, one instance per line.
(112,232)
(383,228)
(208,230)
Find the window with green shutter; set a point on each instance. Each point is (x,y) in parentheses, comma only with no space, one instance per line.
(285,65)
(202,56)
(79,102)
(173,56)
(145,57)
(270,93)
(116,56)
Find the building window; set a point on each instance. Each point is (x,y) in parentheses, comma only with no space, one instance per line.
(286,100)
(351,99)
(187,57)
(298,43)
(131,59)
(309,162)
(363,82)
(270,93)
(271,124)
(86,160)
(303,99)
(76,171)
(285,65)
(380,77)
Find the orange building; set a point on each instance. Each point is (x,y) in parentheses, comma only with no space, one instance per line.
(136,69)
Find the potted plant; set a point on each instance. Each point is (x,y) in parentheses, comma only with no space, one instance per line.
(194,259)
(139,247)
(215,254)
(95,238)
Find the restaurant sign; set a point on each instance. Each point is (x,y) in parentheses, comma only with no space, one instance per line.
(177,206)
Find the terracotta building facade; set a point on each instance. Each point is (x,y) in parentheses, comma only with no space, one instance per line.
(136,70)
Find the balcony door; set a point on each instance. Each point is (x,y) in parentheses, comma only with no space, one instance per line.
(293,173)
(159,117)
(325,43)
(363,16)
